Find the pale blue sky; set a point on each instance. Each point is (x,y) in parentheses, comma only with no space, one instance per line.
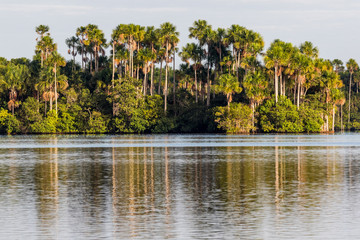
(332,25)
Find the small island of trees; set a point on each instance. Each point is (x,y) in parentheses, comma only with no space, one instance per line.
(226,82)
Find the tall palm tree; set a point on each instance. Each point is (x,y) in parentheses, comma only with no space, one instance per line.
(151,38)
(96,39)
(138,37)
(81,34)
(255,85)
(194,53)
(56,60)
(146,56)
(204,33)
(42,30)
(338,65)
(72,44)
(273,59)
(168,36)
(301,65)
(352,66)
(309,50)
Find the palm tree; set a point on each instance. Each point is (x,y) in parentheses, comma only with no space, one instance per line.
(146,56)
(309,50)
(220,40)
(45,45)
(352,66)
(13,81)
(56,60)
(255,85)
(72,44)
(338,65)
(96,39)
(273,59)
(138,37)
(42,30)
(194,53)
(204,33)
(81,34)
(168,36)
(228,85)
(301,65)
(151,38)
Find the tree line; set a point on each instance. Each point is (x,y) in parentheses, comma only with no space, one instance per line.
(227,82)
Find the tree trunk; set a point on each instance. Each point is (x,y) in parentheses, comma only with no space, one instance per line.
(298,94)
(349,100)
(208,79)
(333,123)
(341,117)
(174,80)
(221,70)
(160,75)
(113,79)
(276,84)
(145,80)
(196,86)
(138,67)
(253,114)
(166,77)
(152,79)
(56,108)
(90,62)
(281,83)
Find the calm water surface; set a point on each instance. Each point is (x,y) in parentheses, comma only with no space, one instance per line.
(180,187)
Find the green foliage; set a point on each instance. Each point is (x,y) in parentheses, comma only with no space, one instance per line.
(96,123)
(236,119)
(66,120)
(280,117)
(8,123)
(311,119)
(47,126)
(29,113)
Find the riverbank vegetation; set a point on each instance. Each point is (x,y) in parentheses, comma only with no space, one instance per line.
(226,82)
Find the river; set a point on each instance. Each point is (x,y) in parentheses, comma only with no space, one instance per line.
(180,186)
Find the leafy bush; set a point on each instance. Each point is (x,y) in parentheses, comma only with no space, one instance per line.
(8,123)
(280,117)
(236,119)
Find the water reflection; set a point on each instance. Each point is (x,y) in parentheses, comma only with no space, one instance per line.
(179,192)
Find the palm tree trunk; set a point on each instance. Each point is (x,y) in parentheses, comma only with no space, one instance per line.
(145,80)
(174,80)
(276,84)
(220,53)
(166,77)
(138,66)
(333,123)
(298,94)
(90,62)
(160,75)
(341,116)
(208,79)
(253,114)
(56,108)
(113,78)
(196,86)
(349,100)
(152,79)
(281,84)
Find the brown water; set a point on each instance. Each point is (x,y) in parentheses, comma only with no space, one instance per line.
(180,187)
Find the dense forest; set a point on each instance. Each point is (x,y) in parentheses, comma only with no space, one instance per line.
(226,82)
